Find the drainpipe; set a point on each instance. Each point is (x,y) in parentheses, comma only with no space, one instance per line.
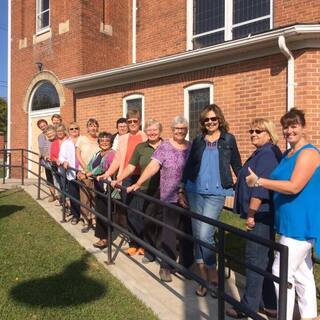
(290,71)
(9,84)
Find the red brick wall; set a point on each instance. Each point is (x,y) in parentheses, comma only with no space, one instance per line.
(296,11)
(245,90)
(1,142)
(161,28)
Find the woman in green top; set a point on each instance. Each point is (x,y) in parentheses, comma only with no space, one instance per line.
(141,158)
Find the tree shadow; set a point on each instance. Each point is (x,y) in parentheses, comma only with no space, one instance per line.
(69,288)
(6,210)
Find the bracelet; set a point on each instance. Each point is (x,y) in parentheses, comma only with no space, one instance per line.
(257,184)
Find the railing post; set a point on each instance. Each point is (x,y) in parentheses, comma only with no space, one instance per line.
(64,180)
(221,267)
(39,179)
(9,168)
(22,166)
(283,284)
(4,166)
(109,212)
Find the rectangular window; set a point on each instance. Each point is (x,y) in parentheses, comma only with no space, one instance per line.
(43,15)
(198,99)
(135,104)
(216,21)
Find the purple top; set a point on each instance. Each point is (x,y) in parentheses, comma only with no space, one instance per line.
(172,161)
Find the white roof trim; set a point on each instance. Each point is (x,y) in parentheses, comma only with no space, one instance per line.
(297,36)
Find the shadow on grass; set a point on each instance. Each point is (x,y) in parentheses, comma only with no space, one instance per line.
(6,210)
(69,288)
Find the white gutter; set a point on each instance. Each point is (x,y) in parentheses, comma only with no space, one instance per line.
(290,71)
(9,84)
(134,31)
(195,59)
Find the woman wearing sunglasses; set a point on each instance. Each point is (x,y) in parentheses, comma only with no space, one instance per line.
(295,183)
(206,181)
(255,205)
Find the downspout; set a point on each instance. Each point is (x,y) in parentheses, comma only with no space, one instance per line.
(9,84)
(134,31)
(290,71)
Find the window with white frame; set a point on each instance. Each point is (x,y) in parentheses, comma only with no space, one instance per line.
(134,102)
(196,97)
(43,15)
(216,21)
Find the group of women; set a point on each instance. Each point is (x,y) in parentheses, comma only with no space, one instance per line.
(273,193)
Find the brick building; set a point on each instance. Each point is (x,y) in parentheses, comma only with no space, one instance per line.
(98,58)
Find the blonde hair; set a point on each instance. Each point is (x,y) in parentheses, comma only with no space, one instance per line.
(268,126)
(62,127)
(152,122)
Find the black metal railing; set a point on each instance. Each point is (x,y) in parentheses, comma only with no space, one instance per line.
(218,248)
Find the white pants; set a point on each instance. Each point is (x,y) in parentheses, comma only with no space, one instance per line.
(300,274)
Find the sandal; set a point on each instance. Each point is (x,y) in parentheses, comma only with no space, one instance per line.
(201,291)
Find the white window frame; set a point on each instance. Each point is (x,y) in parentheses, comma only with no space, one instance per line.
(133,97)
(40,12)
(192,87)
(228,27)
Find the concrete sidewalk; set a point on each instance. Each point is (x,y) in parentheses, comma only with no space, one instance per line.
(175,300)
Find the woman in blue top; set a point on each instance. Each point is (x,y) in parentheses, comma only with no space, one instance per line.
(255,205)
(207,180)
(296,185)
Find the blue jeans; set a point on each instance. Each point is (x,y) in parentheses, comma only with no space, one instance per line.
(209,206)
(260,292)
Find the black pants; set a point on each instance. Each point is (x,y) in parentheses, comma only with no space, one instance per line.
(73,190)
(151,230)
(101,206)
(169,238)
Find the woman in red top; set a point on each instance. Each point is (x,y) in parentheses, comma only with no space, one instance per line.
(54,156)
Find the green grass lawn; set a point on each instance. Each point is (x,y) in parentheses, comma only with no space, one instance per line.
(45,274)
(236,246)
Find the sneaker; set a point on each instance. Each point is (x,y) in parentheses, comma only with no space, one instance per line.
(141,251)
(132,251)
(74,221)
(165,275)
(87,228)
(101,244)
(146,260)
(233,313)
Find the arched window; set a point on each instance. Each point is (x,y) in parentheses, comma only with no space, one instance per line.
(45,97)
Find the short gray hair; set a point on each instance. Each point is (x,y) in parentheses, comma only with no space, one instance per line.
(62,127)
(179,120)
(152,122)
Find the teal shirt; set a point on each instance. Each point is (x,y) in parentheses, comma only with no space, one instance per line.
(298,215)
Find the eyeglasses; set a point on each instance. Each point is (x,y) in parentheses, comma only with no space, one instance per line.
(76,128)
(213,119)
(132,121)
(256,131)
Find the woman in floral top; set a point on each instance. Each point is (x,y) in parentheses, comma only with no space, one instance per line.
(170,158)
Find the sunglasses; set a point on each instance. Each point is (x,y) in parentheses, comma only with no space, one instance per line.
(213,119)
(132,121)
(256,131)
(76,128)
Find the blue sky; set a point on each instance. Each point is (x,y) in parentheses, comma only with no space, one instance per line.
(3,47)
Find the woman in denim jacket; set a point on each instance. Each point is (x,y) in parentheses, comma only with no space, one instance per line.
(207,180)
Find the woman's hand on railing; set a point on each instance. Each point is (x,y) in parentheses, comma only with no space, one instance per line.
(114,183)
(182,199)
(250,223)
(65,164)
(133,187)
(102,177)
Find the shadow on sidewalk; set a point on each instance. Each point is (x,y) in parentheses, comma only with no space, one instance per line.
(69,288)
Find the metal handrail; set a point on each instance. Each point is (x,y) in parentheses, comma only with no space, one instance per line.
(219,248)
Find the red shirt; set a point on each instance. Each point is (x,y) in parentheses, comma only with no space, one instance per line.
(54,150)
(133,141)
